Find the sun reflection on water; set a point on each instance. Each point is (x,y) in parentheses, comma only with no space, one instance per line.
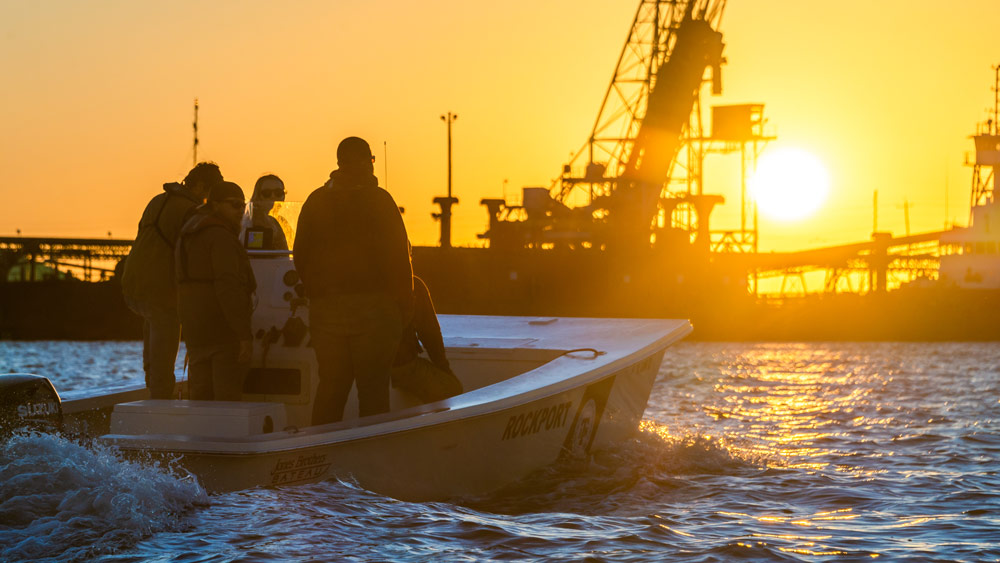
(790,413)
(788,409)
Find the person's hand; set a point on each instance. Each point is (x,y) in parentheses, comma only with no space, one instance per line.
(246,350)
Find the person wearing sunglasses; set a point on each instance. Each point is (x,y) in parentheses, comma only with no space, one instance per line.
(215,296)
(351,253)
(268,190)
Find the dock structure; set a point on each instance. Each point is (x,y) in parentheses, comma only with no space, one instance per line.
(879,264)
(876,266)
(35,258)
(634,197)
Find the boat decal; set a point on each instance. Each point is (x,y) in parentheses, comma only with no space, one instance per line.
(545,418)
(301,468)
(588,417)
(37,409)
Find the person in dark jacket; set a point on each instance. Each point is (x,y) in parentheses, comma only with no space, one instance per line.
(215,296)
(351,252)
(148,276)
(429,380)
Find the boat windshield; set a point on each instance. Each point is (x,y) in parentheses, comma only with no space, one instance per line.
(270,225)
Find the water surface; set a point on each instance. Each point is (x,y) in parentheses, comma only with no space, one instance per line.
(754,452)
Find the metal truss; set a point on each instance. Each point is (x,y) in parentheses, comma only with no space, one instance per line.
(650,42)
(81,255)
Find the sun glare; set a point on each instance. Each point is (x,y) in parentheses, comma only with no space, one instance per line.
(789,184)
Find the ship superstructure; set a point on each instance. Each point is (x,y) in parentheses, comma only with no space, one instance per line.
(969,255)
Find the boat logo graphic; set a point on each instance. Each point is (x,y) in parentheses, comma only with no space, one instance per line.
(545,418)
(585,425)
(588,418)
(37,409)
(301,468)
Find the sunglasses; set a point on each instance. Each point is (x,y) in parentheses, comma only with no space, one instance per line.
(272,194)
(235,204)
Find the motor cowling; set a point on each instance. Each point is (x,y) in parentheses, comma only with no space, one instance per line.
(28,402)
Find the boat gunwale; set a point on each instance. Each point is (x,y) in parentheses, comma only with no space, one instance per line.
(405,420)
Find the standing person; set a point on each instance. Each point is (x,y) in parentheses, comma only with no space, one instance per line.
(268,190)
(215,296)
(148,277)
(351,253)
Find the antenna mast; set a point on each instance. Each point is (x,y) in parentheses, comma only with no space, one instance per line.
(986,168)
(195,132)
(996,98)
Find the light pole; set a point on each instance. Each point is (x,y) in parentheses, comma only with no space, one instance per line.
(446,202)
(449,119)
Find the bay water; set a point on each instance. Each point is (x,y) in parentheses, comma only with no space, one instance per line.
(747,452)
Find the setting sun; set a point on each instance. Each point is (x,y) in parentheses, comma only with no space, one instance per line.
(789,184)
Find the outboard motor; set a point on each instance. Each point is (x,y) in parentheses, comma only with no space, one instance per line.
(28,401)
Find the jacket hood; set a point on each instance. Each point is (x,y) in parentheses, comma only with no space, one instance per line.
(204,219)
(340,178)
(176,188)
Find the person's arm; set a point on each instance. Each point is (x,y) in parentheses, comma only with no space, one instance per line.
(231,290)
(426,324)
(396,256)
(305,236)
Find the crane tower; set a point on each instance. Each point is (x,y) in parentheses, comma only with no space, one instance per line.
(615,189)
(646,111)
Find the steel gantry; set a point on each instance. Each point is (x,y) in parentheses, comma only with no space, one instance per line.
(88,258)
(623,169)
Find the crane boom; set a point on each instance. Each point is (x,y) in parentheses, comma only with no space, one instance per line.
(612,190)
(646,110)
(671,101)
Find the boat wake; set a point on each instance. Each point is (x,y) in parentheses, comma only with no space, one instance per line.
(64,501)
(650,466)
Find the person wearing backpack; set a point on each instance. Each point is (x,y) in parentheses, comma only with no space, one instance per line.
(148,283)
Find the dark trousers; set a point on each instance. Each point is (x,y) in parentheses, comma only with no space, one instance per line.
(215,373)
(161,336)
(355,338)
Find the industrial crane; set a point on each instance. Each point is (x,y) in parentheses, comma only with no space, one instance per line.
(610,191)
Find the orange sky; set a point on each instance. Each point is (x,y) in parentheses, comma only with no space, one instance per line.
(96,102)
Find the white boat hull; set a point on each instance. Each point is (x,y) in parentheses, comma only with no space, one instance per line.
(465,456)
(536,390)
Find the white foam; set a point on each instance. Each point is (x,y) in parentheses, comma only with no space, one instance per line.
(60,500)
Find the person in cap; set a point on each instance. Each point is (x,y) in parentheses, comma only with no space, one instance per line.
(148,280)
(268,190)
(351,252)
(215,296)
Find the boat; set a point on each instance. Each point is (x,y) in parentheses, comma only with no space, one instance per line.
(536,390)
(969,255)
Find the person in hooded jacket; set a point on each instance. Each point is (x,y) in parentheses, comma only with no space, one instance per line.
(215,296)
(351,252)
(147,279)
